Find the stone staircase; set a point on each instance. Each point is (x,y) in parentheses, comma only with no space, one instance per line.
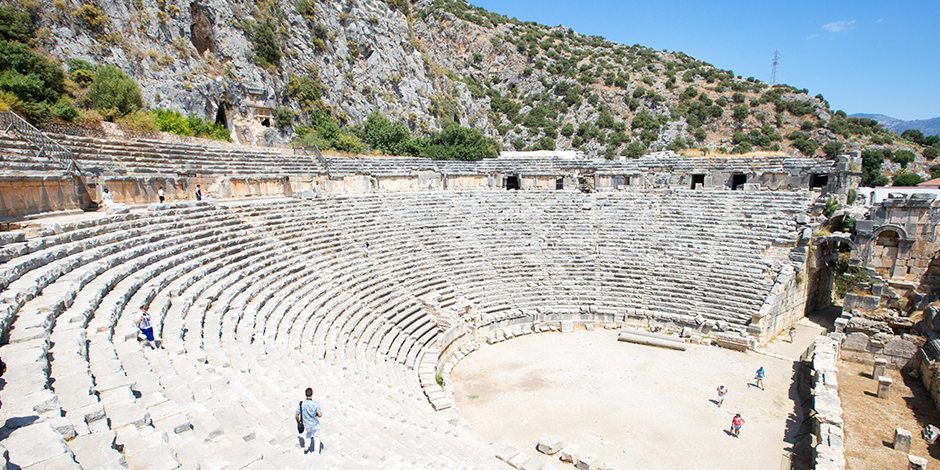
(255,301)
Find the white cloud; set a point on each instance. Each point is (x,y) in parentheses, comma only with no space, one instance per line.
(880,20)
(811,36)
(837,26)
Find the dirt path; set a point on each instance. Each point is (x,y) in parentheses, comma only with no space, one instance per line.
(635,406)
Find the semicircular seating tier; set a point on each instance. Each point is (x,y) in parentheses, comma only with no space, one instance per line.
(257,301)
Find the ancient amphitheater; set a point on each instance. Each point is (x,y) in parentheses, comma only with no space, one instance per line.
(257,294)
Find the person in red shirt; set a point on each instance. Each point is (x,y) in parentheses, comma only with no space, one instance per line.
(736,424)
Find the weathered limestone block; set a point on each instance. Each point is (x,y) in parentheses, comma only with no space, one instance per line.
(567,326)
(855,342)
(916,463)
(731,341)
(549,444)
(570,453)
(902,440)
(879,369)
(588,461)
(884,387)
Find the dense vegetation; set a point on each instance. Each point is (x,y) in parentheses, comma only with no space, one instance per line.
(392,138)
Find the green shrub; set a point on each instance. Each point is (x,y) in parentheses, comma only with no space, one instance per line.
(385,136)
(930,153)
(92,17)
(81,72)
(305,91)
(114,94)
(833,149)
(567,130)
(743,147)
(139,120)
(737,98)
(264,43)
(871,167)
(348,143)
(65,111)
(830,207)
(461,143)
(634,150)
(903,157)
(906,178)
(741,113)
(700,134)
(806,147)
(851,196)
(32,82)
(15,25)
(283,117)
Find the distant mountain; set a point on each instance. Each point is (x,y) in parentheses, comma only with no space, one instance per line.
(927,126)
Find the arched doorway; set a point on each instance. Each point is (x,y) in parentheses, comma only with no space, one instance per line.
(885,253)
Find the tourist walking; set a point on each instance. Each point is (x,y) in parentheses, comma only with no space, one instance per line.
(759,378)
(107,199)
(198,193)
(722,391)
(308,414)
(792,334)
(161,195)
(143,322)
(736,424)
(365,250)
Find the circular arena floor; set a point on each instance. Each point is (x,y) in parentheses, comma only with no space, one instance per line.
(634,406)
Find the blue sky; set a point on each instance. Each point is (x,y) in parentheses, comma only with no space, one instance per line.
(863,56)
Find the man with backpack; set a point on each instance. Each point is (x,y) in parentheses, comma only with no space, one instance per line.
(308,415)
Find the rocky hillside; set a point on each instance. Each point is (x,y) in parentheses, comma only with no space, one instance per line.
(430,63)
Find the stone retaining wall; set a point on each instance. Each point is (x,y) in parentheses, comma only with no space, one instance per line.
(861,348)
(23,195)
(828,432)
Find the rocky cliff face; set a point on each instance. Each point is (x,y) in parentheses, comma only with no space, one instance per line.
(424,64)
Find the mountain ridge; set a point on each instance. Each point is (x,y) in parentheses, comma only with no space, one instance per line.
(927,126)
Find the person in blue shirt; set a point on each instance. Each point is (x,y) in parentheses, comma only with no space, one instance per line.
(759,377)
(309,413)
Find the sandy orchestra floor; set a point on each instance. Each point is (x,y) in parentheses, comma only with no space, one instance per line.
(635,406)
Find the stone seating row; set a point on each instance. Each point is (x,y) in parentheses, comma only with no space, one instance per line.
(342,335)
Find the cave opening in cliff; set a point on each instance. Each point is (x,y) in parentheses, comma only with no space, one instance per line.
(220,117)
(201,29)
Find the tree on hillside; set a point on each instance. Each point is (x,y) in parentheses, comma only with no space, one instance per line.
(906,178)
(913,135)
(114,94)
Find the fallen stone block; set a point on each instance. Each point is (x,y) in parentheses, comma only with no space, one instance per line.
(570,453)
(588,461)
(549,444)
(567,326)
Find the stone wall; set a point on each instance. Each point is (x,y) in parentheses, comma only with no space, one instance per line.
(134,190)
(900,241)
(23,195)
(828,451)
(784,306)
(862,348)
